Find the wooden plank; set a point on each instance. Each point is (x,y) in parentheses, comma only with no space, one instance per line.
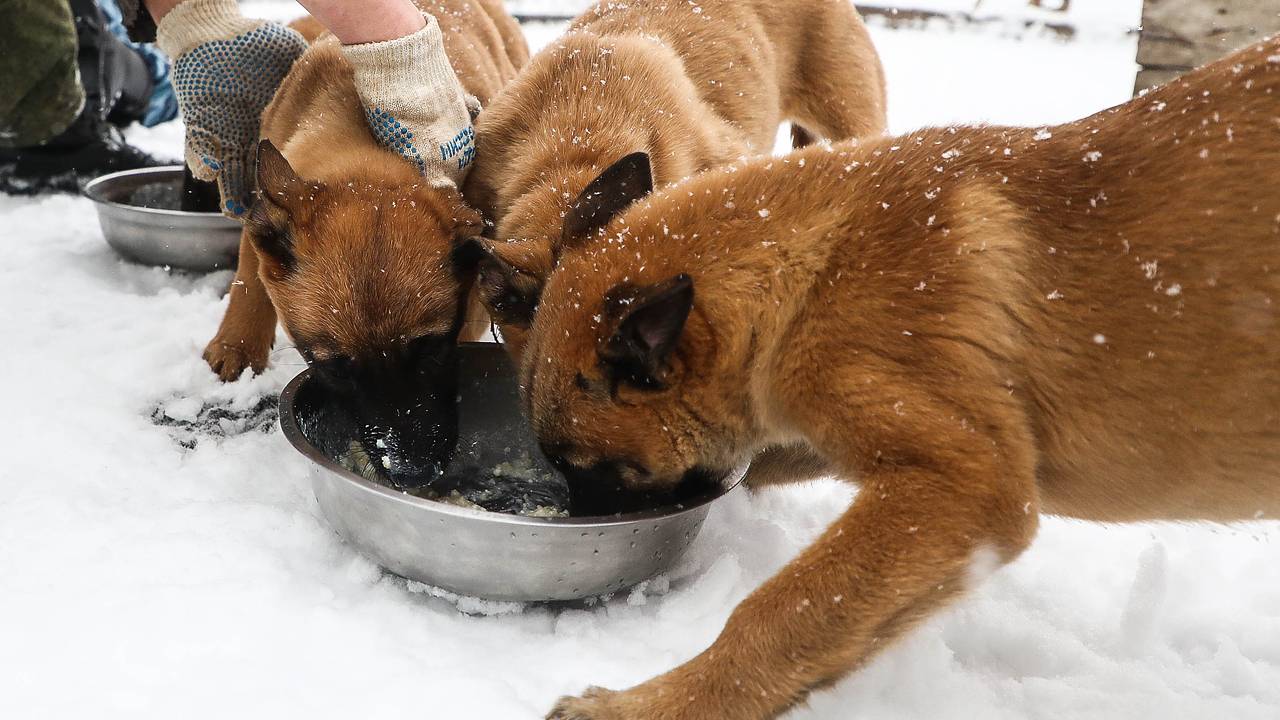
(898,17)
(1178,35)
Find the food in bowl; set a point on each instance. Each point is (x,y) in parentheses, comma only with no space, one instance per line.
(518,487)
(469,551)
(148,216)
(493,464)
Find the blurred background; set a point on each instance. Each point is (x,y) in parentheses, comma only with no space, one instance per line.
(950,61)
(1005,61)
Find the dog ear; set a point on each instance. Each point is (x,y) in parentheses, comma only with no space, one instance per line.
(650,321)
(278,184)
(467,221)
(481,195)
(509,292)
(621,184)
(282,195)
(268,228)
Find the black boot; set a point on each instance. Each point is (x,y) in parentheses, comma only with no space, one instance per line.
(51,167)
(117,84)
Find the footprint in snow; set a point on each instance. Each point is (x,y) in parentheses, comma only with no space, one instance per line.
(190,420)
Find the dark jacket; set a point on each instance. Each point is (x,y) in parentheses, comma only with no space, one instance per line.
(136,18)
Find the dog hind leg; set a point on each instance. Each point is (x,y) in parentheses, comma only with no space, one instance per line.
(839,87)
(512,36)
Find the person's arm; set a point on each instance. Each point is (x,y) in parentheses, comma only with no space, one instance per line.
(160,8)
(365,22)
(352,22)
(227,68)
(414,102)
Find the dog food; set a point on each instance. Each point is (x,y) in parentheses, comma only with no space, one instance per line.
(516,487)
(357,460)
(158,196)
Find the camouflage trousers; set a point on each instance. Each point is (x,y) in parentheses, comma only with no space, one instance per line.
(40,90)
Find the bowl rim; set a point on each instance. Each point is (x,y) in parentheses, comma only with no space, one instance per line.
(92,190)
(293,433)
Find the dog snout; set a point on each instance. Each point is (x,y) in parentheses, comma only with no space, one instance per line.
(407,471)
(413,477)
(606,488)
(557,454)
(411,454)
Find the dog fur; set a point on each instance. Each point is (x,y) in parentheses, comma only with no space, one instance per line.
(976,324)
(346,246)
(694,86)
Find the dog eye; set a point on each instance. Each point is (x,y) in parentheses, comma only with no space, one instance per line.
(513,307)
(338,373)
(621,373)
(635,378)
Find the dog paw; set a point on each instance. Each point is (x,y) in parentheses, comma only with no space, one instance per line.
(228,360)
(594,704)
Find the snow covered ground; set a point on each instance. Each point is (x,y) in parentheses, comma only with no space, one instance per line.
(139,578)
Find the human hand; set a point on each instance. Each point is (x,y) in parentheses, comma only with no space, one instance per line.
(226,68)
(415,104)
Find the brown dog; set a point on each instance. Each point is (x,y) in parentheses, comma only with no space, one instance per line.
(376,242)
(976,324)
(352,250)
(692,85)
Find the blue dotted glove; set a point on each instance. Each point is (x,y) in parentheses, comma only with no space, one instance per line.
(226,69)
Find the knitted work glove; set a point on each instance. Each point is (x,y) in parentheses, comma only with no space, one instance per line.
(415,104)
(226,68)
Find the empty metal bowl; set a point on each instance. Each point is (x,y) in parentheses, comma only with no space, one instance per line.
(473,552)
(200,241)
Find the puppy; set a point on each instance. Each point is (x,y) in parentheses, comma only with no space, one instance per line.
(692,85)
(349,248)
(976,324)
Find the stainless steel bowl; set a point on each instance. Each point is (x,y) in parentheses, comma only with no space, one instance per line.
(473,552)
(187,240)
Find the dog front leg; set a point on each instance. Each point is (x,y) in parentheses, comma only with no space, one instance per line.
(248,328)
(906,545)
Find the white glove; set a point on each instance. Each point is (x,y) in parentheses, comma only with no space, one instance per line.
(415,104)
(226,68)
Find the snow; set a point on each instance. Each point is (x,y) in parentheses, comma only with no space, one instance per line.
(143,578)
